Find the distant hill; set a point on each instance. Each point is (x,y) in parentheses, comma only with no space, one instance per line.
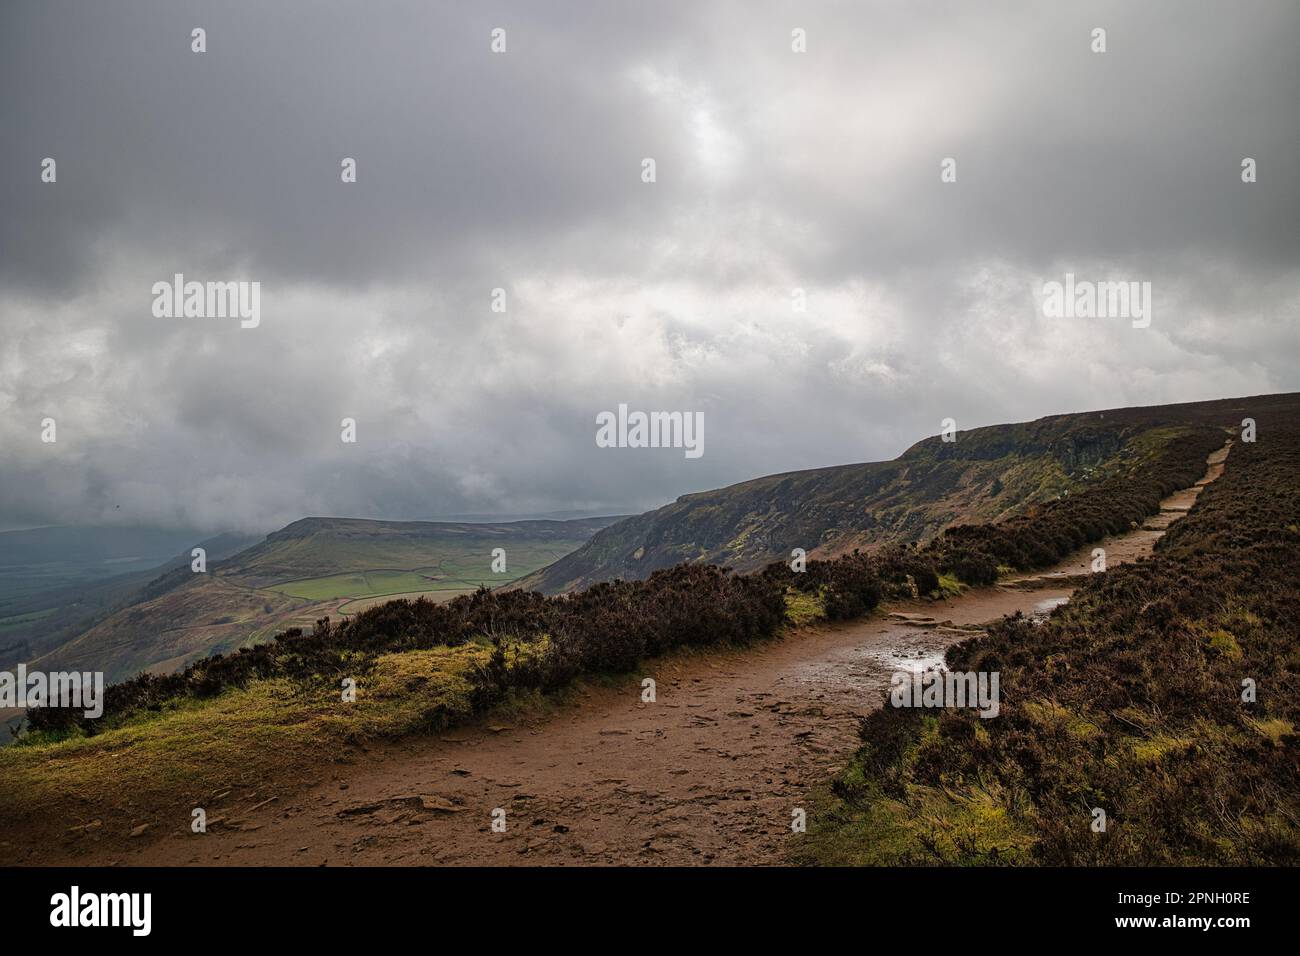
(986,474)
(312,568)
(42,559)
(321,547)
(61,589)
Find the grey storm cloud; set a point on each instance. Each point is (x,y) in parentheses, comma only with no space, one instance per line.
(775,171)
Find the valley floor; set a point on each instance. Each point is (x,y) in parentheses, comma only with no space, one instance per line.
(711,772)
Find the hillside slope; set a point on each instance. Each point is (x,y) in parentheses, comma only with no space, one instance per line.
(310,569)
(1151,721)
(985,475)
(33,623)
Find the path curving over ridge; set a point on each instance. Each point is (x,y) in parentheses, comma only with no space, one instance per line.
(709,773)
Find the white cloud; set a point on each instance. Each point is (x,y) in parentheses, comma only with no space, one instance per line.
(776,171)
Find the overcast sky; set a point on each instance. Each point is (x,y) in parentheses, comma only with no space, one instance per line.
(522,170)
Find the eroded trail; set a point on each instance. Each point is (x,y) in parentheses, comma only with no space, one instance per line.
(708,774)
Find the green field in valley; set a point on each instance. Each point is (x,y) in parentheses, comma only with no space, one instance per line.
(358,584)
(461,568)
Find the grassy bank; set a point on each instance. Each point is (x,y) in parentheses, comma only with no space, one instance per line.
(254,736)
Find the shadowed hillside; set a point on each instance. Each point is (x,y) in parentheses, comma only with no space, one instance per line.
(34,622)
(985,475)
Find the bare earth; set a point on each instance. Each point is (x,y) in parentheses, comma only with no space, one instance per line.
(710,773)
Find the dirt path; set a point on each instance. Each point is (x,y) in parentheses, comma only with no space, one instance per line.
(709,773)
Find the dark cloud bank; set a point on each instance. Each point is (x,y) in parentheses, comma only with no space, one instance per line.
(522,171)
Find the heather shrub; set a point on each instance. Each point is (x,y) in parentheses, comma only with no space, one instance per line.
(1129,698)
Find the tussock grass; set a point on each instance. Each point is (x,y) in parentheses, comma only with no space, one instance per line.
(803,609)
(248,736)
